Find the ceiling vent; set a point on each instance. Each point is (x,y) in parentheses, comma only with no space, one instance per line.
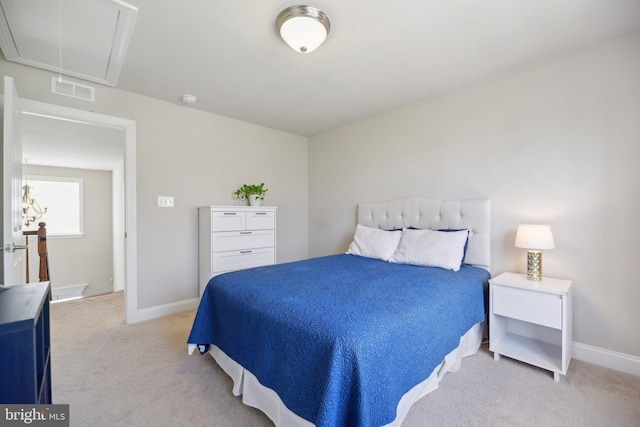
(73,90)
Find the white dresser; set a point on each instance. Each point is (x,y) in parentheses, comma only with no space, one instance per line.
(234,238)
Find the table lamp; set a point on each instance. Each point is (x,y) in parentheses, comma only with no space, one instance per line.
(534,238)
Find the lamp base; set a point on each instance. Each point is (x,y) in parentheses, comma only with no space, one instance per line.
(534,265)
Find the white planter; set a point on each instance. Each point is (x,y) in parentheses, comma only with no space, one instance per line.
(254,200)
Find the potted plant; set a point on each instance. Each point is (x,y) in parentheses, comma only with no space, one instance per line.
(254,193)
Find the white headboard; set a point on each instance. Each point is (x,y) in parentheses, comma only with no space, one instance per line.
(433,214)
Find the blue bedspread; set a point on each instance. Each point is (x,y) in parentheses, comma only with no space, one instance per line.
(340,338)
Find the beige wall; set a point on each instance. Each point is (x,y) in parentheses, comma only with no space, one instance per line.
(86,259)
(555,143)
(200,159)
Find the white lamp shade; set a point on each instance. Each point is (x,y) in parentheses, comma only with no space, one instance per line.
(534,237)
(304,34)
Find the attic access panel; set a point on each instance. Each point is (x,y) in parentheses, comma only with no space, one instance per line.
(95,36)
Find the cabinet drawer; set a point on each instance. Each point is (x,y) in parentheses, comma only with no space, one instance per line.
(228,221)
(261,220)
(237,240)
(239,260)
(530,306)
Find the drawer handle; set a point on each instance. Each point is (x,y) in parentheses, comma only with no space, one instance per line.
(246,232)
(230,213)
(261,213)
(245,252)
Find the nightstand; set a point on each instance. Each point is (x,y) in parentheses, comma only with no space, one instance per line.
(531,321)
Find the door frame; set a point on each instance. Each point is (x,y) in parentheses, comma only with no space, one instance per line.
(13,265)
(130,211)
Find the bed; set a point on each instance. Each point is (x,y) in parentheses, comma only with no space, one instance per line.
(352,339)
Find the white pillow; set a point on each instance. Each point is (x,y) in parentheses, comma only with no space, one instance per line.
(431,248)
(374,243)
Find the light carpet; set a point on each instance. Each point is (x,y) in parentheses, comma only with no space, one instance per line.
(113,374)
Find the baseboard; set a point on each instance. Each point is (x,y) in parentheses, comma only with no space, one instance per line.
(150,313)
(68,292)
(609,359)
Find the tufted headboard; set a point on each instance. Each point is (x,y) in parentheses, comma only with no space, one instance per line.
(433,214)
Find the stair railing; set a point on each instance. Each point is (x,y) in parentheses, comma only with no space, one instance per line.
(43,273)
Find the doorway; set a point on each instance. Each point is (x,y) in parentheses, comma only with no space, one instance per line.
(72,170)
(124,186)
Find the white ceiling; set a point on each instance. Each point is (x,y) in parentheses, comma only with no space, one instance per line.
(68,144)
(378,56)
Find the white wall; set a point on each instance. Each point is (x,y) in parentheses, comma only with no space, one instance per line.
(200,159)
(556,143)
(86,259)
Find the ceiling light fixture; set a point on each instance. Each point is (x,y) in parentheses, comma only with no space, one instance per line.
(304,28)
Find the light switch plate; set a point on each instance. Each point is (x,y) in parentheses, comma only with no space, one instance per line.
(165,201)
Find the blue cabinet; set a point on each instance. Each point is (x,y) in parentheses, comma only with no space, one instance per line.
(25,344)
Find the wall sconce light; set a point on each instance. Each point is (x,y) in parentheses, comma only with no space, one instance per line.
(304,28)
(534,238)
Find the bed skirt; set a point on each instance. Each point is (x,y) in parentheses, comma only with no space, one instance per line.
(258,396)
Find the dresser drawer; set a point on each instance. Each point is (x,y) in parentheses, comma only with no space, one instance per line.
(239,260)
(237,240)
(228,221)
(261,220)
(530,306)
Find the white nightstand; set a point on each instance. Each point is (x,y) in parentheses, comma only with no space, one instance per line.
(531,321)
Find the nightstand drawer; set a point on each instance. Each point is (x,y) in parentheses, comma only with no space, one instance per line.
(530,306)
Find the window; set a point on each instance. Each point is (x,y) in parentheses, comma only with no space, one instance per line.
(62,196)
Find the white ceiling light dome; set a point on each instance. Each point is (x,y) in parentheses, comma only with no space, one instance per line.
(304,28)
